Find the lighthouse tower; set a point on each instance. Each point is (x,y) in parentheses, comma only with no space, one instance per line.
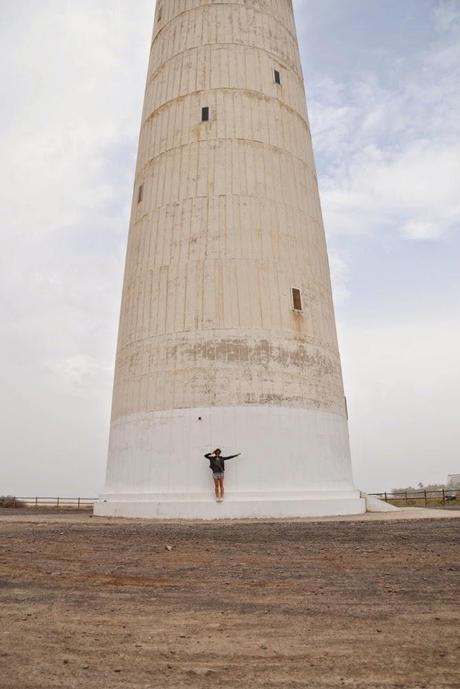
(227,334)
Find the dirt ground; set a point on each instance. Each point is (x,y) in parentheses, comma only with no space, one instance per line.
(92,603)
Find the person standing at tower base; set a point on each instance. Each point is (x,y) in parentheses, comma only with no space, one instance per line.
(217,466)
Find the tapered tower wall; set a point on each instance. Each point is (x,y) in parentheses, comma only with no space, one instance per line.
(226,223)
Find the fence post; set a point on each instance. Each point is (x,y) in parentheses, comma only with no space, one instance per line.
(386,497)
(14,501)
(57,502)
(424,495)
(407,501)
(36,501)
(443,497)
(78,504)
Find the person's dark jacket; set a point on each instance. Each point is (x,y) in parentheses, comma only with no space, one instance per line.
(217,463)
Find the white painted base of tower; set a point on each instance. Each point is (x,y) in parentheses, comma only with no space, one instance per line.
(294,463)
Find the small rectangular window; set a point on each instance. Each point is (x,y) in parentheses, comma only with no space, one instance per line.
(140,193)
(277,77)
(205,114)
(296,299)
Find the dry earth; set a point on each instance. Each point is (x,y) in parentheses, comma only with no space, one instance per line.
(93,603)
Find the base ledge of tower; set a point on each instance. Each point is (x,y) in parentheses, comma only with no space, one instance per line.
(232,507)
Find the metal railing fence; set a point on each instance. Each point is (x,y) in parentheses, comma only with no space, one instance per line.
(415,497)
(74,503)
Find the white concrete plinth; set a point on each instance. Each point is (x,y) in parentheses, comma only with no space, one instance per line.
(293,463)
(249,507)
(374,504)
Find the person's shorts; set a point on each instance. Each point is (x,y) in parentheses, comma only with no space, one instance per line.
(218,475)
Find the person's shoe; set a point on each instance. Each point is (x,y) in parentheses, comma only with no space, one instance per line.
(219,500)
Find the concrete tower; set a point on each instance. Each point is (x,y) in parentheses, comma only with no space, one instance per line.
(227,334)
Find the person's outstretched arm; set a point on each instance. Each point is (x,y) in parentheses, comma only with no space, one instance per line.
(209,455)
(231,457)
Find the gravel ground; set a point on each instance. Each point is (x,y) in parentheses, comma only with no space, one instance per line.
(94,603)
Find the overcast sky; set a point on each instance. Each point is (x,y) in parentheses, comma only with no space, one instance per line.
(382,82)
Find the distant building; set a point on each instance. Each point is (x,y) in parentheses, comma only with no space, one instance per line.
(453,480)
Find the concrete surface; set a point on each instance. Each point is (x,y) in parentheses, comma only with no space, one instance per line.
(226,222)
(374,504)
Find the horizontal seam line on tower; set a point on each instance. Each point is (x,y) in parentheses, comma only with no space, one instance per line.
(139,220)
(147,214)
(224,4)
(332,350)
(253,141)
(226,88)
(298,75)
(321,407)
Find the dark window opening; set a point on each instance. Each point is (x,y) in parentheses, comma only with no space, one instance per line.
(140,193)
(205,114)
(277,77)
(296,299)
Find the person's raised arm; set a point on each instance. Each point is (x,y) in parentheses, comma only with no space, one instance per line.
(231,457)
(208,455)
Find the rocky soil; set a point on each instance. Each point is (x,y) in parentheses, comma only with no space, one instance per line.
(301,605)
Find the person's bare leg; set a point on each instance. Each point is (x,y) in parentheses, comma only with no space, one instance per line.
(216,487)
(221,481)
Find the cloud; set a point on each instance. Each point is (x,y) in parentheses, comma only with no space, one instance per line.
(389,151)
(401,381)
(447,15)
(386,139)
(401,191)
(421,229)
(74,77)
(340,269)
